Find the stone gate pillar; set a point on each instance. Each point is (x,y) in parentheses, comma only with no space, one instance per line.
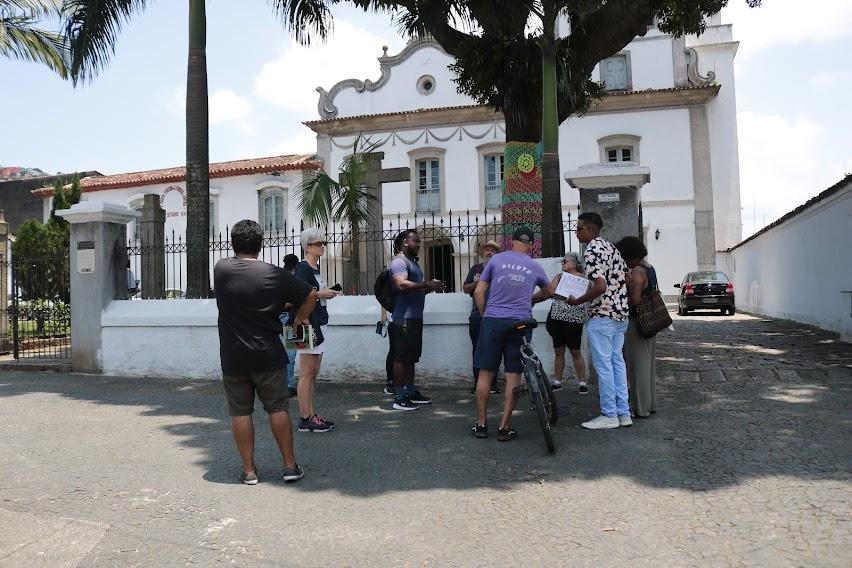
(98,271)
(5,271)
(613,191)
(152,237)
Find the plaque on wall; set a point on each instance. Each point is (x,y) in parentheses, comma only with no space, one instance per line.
(608,197)
(86,257)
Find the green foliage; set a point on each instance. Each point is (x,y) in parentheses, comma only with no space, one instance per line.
(322,199)
(40,256)
(22,38)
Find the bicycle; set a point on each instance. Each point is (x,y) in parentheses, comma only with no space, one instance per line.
(541,392)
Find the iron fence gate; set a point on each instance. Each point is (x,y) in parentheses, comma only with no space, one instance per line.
(36,317)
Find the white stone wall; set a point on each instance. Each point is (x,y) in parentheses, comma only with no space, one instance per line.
(798,270)
(179,339)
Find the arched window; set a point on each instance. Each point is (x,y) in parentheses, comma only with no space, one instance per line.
(491,174)
(619,148)
(272,202)
(428,179)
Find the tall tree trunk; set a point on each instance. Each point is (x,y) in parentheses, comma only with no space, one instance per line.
(197,156)
(553,241)
(522,176)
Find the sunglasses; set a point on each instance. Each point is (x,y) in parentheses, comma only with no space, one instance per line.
(320,243)
(525,241)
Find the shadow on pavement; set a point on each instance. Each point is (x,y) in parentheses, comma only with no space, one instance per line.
(759,420)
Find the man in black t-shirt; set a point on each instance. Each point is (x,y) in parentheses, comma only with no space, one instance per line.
(250,295)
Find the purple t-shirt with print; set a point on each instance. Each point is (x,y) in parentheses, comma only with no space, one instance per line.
(512,278)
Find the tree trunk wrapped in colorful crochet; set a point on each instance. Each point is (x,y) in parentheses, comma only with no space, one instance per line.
(522,191)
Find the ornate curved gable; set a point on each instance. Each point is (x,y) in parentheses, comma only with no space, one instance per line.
(417,77)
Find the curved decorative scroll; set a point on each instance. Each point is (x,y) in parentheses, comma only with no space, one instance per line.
(326,107)
(693,74)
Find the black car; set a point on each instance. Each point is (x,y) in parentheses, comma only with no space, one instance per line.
(706,290)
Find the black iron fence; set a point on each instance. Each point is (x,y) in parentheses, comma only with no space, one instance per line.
(35,320)
(450,246)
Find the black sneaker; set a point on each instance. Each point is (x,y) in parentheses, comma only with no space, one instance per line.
(473,389)
(480,431)
(419,398)
(405,404)
(389,390)
(314,424)
(584,388)
(506,434)
(495,389)
(293,474)
(249,478)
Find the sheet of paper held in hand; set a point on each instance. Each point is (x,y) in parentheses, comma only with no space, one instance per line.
(571,285)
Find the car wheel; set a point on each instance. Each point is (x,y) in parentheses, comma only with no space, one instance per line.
(723,311)
(680,311)
(732,310)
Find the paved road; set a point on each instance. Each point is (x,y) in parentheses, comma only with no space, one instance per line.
(747,463)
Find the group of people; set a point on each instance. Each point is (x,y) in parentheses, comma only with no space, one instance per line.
(257,301)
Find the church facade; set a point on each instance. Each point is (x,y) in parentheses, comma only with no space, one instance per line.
(667,126)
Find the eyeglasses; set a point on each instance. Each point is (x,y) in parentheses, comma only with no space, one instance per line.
(320,243)
(525,241)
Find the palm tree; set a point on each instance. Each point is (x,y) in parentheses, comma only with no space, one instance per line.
(92,29)
(507,56)
(321,198)
(21,39)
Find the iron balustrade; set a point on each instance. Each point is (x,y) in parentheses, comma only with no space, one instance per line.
(353,258)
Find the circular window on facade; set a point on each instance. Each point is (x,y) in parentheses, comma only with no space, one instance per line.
(426,84)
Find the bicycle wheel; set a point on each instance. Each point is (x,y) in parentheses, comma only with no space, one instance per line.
(547,389)
(541,405)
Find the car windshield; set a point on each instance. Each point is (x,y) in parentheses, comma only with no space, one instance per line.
(707,277)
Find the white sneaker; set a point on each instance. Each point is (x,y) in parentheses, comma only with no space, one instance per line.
(556,384)
(625,421)
(601,423)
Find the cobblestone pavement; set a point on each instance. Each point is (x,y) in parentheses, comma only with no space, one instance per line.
(746,463)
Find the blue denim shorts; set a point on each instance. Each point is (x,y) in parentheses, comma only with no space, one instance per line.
(496,343)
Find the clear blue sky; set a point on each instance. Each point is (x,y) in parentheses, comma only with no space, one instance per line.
(793,81)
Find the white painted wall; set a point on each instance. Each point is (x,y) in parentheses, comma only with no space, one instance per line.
(400,92)
(798,269)
(179,339)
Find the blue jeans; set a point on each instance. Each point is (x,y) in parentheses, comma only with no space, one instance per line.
(291,368)
(606,340)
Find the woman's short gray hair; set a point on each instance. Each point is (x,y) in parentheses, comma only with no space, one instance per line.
(311,235)
(575,258)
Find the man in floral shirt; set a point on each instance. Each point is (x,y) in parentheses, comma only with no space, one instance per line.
(607,321)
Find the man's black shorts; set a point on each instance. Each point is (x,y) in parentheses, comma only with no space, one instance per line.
(408,341)
(270,386)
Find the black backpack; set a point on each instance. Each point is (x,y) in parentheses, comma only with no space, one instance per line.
(383,288)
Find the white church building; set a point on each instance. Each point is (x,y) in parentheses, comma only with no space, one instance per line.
(668,124)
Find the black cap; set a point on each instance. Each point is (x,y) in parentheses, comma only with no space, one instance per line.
(523,231)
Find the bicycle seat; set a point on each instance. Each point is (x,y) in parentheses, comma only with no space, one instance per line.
(525,324)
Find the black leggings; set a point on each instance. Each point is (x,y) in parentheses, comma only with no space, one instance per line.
(389,358)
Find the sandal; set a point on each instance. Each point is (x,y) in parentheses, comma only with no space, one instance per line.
(505,435)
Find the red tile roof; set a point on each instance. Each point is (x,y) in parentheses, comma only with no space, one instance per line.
(217,170)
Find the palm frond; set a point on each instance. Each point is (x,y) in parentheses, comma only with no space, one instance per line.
(21,38)
(315,197)
(92,28)
(305,18)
